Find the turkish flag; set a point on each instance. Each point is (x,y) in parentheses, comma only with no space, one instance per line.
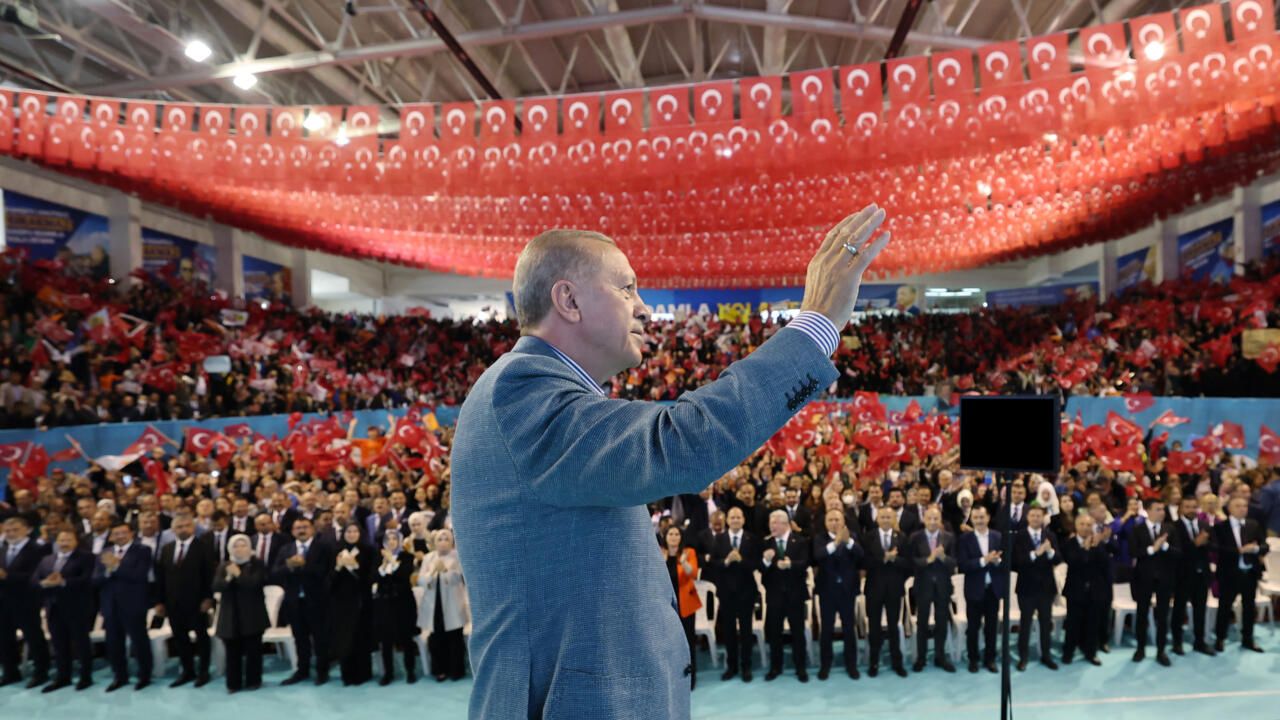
(68,118)
(1104,45)
(1169,419)
(539,120)
(286,123)
(201,441)
(417,126)
(32,121)
(1121,428)
(908,80)
(457,125)
(953,74)
(1154,38)
(325,119)
(860,91)
(999,64)
(251,124)
(1252,19)
(1231,434)
(713,102)
(1139,402)
(669,107)
(1269,358)
(156,472)
(239,431)
(1268,446)
(6,121)
(624,113)
(1183,463)
(15,453)
(408,434)
(581,117)
(813,94)
(150,439)
(1202,29)
(761,100)
(1209,444)
(215,122)
(867,408)
(497,122)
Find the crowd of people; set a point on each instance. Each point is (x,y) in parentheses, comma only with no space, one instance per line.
(70,359)
(348,547)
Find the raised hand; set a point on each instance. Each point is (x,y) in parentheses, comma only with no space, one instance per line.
(835,275)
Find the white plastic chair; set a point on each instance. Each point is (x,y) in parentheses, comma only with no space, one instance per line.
(1123,605)
(218,649)
(273,595)
(703,624)
(959,618)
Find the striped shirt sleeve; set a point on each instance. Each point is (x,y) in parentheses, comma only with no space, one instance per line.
(819,328)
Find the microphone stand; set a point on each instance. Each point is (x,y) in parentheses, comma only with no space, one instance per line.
(1004,482)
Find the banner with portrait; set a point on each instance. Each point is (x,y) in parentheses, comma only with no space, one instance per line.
(265,280)
(1271,229)
(166,255)
(48,231)
(1208,253)
(1135,268)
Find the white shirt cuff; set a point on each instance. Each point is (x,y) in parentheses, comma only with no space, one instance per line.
(831,547)
(819,328)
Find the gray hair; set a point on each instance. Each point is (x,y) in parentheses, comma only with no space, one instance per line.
(550,257)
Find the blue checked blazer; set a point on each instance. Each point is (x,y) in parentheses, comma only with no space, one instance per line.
(573,613)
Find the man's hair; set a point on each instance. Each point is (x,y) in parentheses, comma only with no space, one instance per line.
(550,257)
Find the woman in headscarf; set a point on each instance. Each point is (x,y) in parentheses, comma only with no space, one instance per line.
(420,542)
(351,605)
(395,612)
(444,608)
(242,613)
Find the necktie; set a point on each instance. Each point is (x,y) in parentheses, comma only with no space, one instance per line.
(1156,532)
(1035,539)
(933,542)
(262,548)
(1195,528)
(782,547)
(182,552)
(13,552)
(60,562)
(119,551)
(735,542)
(1017,513)
(884,540)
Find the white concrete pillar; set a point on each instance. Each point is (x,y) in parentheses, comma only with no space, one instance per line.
(124,228)
(301,279)
(230,266)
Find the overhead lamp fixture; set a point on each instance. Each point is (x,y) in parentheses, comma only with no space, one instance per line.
(198,50)
(245,81)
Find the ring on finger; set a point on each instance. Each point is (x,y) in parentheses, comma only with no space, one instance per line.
(853,251)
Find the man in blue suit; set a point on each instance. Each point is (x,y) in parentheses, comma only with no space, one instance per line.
(63,579)
(121,578)
(558,634)
(986,583)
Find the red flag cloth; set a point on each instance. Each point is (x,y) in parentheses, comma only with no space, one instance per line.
(1169,419)
(581,117)
(761,100)
(161,377)
(669,107)
(150,439)
(1000,64)
(953,74)
(240,431)
(1268,446)
(713,102)
(498,122)
(157,473)
(1186,462)
(417,126)
(1231,434)
(1047,56)
(1139,402)
(68,455)
(908,81)
(1269,358)
(1252,19)
(539,120)
(1220,350)
(1209,444)
(813,94)
(457,125)
(1158,442)
(624,113)
(203,442)
(867,408)
(1202,29)
(1121,428)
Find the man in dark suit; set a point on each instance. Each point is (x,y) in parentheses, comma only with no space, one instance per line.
(784,568)
(1193,575)
(283,514)
(184,581)
(1017,509)
(121,578)
(755,513)
(218,535)
(913,515)
(907,521)
(64,578)
(1035,552)
(1155,554)
(887,564)
(303,569)
(267,543)
(241,522)
(837,556)
(932,552)
(735,555)
(799,516)
(1241,544)
(1086,589)
(868,510)
(986,583)
(705,542)
(20,603)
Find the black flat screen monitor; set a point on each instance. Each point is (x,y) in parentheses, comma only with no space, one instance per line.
(1016,433)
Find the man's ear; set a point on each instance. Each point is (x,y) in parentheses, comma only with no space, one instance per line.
(564,300)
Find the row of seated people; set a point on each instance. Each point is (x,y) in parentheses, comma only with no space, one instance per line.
(1177,554)
(341,599)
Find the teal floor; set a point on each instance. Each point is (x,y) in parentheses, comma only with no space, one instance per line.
(1241,684)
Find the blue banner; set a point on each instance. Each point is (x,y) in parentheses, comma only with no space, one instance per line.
(49,231)
(1135,268)
(1271,229)
(1208,253)
(265,280)
(184,259)
(1043,295)
(736,304)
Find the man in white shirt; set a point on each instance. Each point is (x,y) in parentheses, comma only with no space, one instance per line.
(986,583)
(1155,552)
(1241,543)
